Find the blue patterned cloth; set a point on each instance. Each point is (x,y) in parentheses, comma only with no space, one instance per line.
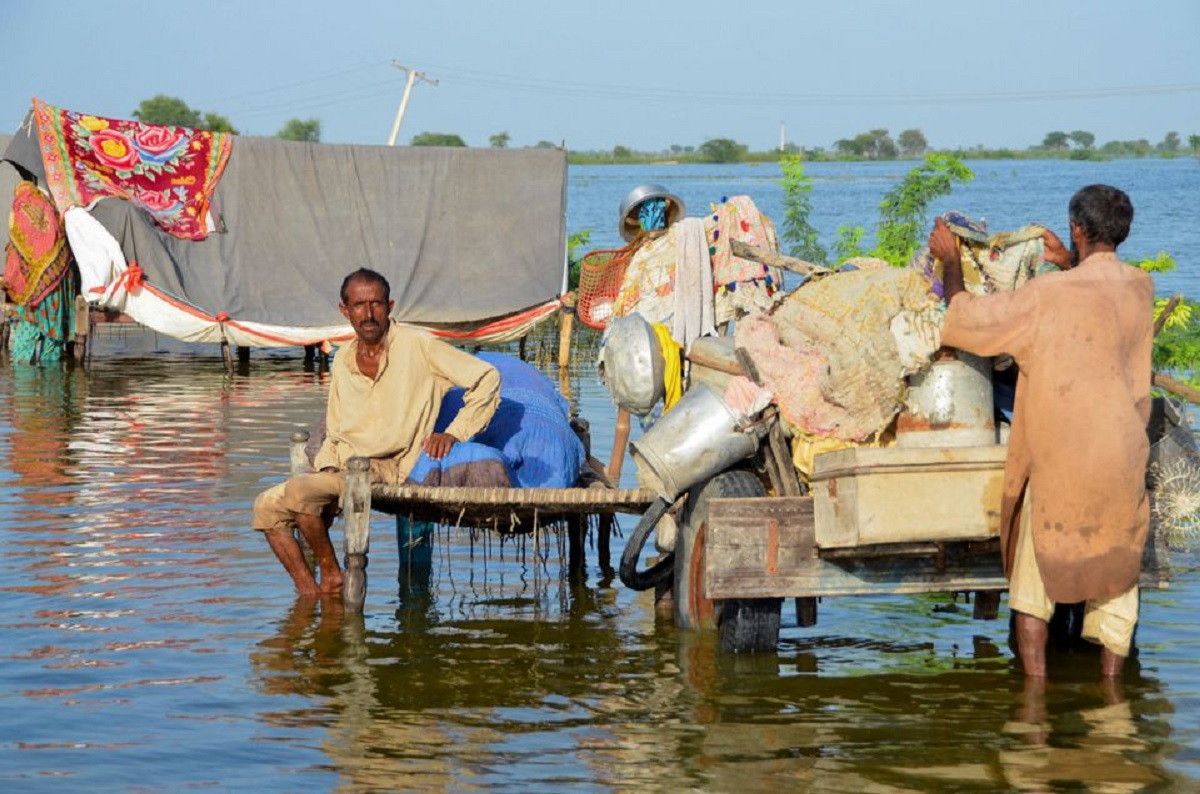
(531,427)
(652,214)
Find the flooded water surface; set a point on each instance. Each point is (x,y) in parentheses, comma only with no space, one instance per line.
(150,641)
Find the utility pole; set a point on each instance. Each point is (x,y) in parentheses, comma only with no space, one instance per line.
(413,74)
(782,136)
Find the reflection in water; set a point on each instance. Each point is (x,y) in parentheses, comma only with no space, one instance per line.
(575,698)
(147,632)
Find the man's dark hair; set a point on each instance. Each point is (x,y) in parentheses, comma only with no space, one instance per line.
(1103,213)
(363,274)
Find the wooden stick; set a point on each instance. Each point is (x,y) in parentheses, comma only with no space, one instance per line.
(1161,322)
(747,251)
(620,442)
(566,322)
(1178,388)
(81,328)
(705,359)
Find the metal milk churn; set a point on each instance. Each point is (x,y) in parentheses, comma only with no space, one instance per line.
(950,404)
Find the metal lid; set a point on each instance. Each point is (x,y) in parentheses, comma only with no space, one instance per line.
(627,223)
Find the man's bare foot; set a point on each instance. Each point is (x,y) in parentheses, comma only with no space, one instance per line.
(307,590)
(331,581)
(288,551)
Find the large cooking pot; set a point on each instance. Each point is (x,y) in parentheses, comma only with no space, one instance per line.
(628,224)
(631,364)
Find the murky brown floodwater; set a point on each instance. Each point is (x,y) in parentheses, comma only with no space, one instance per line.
(150,641)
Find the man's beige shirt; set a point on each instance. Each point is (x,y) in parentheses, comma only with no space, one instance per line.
(1082,339)
(388,418)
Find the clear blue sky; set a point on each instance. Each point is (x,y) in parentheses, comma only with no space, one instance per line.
(644,75)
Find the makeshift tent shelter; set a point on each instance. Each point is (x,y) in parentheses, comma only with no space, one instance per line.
(473,242)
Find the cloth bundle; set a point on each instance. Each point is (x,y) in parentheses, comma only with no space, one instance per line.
(836,351)
(531,428)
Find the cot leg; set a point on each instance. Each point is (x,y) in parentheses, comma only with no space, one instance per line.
(604,543)
(576,537)
(356,517)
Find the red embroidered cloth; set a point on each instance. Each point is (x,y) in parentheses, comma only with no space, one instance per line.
(170,172)
(37,255)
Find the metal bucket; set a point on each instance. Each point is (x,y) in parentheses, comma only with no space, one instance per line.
(950,405)
(697,439)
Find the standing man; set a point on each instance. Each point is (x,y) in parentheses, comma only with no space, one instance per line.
(1074,515)
(385,393)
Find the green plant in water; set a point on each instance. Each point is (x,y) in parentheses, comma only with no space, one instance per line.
(902,213)
(902,222)
(849,242)
(796,208)
(1177,346)
(575,242)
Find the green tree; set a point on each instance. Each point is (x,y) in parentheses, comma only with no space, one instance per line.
(1056,140)
(1083,139)
(849,146)
(545,145)
(304,130)
(797,205)
(912,143)
(622,152)
(1194,143)
(722,150)
(1170,143)
(903,209)
(499,140)
(215,122)
(168,111)
(873,145)
(437,139)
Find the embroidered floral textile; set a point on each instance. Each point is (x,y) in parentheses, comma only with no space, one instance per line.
(37,255)
(170,172)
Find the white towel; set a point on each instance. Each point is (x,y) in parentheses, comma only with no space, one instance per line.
(695,311)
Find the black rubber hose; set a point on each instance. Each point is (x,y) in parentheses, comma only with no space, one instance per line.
(661,570)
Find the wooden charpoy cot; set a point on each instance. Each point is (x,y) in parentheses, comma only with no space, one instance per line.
(512,511)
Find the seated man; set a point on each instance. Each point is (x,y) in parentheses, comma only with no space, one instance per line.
(385,391)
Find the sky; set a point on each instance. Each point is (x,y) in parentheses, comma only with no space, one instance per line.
(645,75)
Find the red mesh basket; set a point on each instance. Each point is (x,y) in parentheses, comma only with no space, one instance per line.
(600,276)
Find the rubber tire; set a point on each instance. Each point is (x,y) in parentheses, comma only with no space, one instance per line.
(692,609)
(750,625)
(631,577)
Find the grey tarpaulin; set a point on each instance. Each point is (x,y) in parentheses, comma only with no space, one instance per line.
(463,235)
(8,182)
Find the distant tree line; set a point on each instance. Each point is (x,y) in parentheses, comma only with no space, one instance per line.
(174,112)
(876,144)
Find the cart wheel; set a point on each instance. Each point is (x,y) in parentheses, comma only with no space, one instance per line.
(750,625)
(693,610)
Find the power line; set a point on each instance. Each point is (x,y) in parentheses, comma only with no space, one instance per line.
(610,91)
